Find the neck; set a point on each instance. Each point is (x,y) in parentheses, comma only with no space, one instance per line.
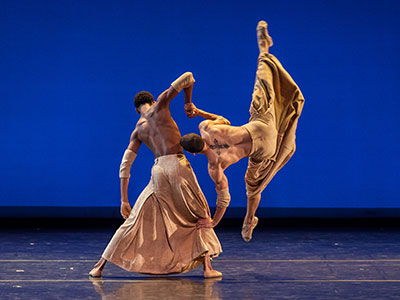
(205,149)
(144,107)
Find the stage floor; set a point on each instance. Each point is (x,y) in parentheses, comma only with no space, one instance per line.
(281,262)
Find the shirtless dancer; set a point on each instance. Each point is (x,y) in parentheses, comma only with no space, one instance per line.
(159,235)
(268,139)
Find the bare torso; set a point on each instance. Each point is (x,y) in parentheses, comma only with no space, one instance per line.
(157,130)
(226,144)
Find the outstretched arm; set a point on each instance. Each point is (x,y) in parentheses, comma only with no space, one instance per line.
(223,198)
(183,82)
(124,173)
(192,111)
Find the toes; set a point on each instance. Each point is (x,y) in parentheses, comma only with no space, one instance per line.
(262,24)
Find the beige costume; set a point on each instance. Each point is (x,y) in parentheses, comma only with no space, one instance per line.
(274,111)
(160,235)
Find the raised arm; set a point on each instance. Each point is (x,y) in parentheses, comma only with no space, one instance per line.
(183,82)
(124,173)
(223,197)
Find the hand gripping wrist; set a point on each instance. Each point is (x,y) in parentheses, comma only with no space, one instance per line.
(184,81)
(223,198)
(126,163)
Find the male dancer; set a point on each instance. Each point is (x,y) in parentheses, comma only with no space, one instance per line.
(268,139)
(159,235)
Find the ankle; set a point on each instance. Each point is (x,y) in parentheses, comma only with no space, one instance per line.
(248,220)
(207,264)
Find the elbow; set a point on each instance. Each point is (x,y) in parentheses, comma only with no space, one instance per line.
(220,185)
(184,81)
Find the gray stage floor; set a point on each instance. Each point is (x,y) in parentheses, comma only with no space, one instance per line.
(282,262)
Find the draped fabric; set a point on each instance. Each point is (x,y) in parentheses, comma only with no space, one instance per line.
(160,235)
(276,101)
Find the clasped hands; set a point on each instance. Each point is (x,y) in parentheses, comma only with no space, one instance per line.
(191,110)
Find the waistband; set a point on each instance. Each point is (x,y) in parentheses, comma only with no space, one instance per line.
(169,157)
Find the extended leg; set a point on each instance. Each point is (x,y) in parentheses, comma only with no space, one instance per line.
(250,221)
(98,268)
(263,93)
(208,270)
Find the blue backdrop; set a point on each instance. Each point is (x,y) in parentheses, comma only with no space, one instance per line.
(69,71)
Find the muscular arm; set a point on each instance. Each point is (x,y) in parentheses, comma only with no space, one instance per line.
(193,111)
(185,82)
(222,187)
(133,146)
(217,175)
(188,94)
(165,98)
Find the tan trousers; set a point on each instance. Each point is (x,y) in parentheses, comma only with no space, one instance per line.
(276,105)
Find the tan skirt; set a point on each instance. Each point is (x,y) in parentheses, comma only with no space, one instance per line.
(160,235)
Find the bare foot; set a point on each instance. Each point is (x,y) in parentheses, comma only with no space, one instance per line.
(95,273)
(263,38)
(247,229)
(212,274)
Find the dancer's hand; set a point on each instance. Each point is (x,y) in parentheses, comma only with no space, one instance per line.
(205,223)
(125,209)
(191,110)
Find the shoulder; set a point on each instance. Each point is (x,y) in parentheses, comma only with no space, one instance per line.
(206,125)
(165,97)
(162,96)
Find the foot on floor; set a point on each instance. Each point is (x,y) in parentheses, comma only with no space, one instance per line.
(212,274)
(95,273)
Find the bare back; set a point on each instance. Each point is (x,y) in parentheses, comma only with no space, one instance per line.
(226,144)
(156,128)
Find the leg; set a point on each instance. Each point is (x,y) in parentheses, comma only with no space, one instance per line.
(252,205)
(250,221)
(263,93)
(208,270)
(98,268)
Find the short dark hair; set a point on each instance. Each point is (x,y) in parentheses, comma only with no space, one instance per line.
(142,98)
(192,143)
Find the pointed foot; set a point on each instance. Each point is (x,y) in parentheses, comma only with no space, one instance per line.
(247,230)
(263,38)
